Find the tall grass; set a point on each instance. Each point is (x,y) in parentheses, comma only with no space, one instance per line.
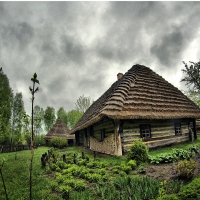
(16,176)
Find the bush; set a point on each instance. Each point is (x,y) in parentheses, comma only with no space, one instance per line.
(58,142)
(185,168)
(138,152)
(190,191)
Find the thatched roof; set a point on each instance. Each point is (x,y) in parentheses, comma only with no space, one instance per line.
(139,94)
(59,129)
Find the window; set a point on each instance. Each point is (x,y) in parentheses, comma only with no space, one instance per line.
(102,134)
(145,131)
(177,129)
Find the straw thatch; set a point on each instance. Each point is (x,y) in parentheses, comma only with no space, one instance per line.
(139,94)
(59,129)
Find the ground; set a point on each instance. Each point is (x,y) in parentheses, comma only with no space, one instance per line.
(167,171)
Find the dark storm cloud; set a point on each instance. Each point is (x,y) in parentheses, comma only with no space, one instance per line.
(78,48)
(72,49)
(168,48)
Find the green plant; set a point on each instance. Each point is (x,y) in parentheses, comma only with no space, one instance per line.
(65,190)
(54,186)
(185,168)
(138,152)
(58,142)
(132,164)
(1,173)
(125,168)
(142,169)
(93,178)
(80,185)
(190,191)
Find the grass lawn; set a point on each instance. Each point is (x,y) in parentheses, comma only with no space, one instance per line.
(56,180)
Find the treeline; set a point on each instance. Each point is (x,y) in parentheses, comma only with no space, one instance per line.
(15,124)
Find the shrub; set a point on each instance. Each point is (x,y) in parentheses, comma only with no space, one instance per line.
(185,168)
(58,142)
(138,152)
(132,164)
(190,191)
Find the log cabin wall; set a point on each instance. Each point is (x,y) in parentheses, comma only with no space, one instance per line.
(79,137)
(162,132)
(102,138)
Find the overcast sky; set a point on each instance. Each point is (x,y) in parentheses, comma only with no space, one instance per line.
(78,48)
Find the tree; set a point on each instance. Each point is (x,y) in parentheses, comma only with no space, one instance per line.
(38,115)
(33,90)
(16,118)
(73,117)
(192,75)
(49,118)
(62,114)
(193,95)
(5,107)
(83,103)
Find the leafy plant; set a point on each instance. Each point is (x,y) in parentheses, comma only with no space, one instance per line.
(142,169)
(138,152)
(132,164)
(185,168)
(190,191)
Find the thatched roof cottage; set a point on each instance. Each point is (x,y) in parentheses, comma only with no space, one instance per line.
(59,129)
(140,104)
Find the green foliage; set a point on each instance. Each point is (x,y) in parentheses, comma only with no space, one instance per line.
(141,169)
(58,142)
(138,152)
(16,119)
(169,197)
(174,156)
(185,168)
(190,191)
(136,187)
(192,74)
(125,168)
(65,190)
(132,164)
(62,114)
(49,118)
(193,95)
(73,116)
(83,103)
(79,185)
(5,107)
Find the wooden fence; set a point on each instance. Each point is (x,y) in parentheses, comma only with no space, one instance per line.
(8,148)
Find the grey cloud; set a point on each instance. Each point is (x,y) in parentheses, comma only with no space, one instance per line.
(169,48)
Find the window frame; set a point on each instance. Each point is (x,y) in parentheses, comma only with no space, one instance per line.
(177,132)
(147,127)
